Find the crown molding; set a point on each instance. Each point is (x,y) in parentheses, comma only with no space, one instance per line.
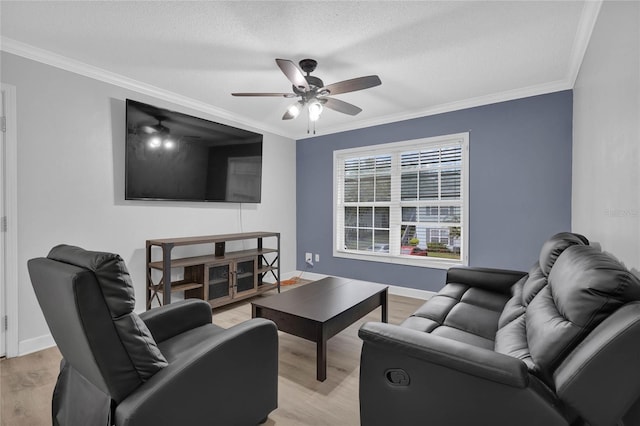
(525,92)
(59,61)
(588,18)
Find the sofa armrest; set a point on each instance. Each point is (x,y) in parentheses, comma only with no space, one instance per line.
(230,379)
(170,320)
(448,353)
(410,377)
(498,280)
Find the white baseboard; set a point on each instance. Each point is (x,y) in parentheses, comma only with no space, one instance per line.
(35,344)
(393,289)
(306,275)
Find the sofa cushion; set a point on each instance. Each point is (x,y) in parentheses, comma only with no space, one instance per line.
(463,336)
(511,338)
(514,306)
(118,293)
(460,312)
(536,280)
(585,286)
(526,289)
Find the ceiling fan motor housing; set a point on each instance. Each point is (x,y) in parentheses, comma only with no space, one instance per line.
(308,65)
(314,83)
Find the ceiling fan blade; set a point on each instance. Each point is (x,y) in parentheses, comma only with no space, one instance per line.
(352,85)
(283,95)
(293,73)
(341,106)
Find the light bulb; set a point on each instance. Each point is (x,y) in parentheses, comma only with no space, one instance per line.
(294,110)
(169,143)
(155,142)
(315,109)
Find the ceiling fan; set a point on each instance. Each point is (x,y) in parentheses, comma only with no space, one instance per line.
(159,134)
(312,91)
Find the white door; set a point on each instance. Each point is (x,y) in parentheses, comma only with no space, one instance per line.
(8,234)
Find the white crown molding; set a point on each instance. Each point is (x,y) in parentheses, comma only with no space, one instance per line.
(588,18)
(525,92)
(53,59)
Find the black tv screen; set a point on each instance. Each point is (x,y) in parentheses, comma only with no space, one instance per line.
(177,157)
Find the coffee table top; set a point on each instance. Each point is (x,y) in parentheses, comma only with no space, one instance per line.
(321,300)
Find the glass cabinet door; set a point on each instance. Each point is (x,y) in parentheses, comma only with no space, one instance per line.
(219,281)
(245,275)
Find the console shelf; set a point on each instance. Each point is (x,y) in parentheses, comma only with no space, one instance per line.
(219,278)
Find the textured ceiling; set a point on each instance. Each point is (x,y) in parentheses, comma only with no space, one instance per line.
(430,56)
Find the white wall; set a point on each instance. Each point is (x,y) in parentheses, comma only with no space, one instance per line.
(606,134)
(71,132)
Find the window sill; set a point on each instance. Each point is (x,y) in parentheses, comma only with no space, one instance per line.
(423,262)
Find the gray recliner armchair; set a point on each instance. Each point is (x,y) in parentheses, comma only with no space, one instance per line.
(167,366)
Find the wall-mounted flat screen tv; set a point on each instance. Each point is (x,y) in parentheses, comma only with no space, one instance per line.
(177,157)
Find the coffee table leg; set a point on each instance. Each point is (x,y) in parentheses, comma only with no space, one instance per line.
(384,304)
(321,356)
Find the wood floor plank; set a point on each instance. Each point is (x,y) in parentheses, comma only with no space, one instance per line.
(26,383)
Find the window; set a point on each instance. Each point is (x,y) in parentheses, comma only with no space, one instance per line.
(403,202)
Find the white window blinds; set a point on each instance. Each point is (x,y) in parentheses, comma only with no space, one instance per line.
(403,200)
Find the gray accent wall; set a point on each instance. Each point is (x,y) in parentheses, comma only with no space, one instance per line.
(519,178)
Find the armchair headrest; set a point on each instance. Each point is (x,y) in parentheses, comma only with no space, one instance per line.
(110,271)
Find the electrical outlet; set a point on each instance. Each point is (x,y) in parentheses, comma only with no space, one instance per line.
(308,258)
(317,257)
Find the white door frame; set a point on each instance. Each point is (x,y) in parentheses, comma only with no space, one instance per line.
(10,263)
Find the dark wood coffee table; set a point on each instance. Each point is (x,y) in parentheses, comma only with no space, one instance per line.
(319,310)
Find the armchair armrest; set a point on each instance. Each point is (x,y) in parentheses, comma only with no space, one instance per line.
(409,377)
(498,280)
(170,320)
(234,374)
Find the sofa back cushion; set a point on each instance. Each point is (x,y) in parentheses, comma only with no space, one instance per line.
(585,287)
(511,337)
(526,288)
(555,246)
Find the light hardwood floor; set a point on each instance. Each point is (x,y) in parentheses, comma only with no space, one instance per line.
(27,382)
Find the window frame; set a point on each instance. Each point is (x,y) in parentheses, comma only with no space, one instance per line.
(395,215)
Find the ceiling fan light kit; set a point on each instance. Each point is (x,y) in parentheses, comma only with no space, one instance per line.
(313,93)
(158,135)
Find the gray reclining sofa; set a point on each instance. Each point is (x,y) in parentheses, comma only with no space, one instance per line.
(559,345)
